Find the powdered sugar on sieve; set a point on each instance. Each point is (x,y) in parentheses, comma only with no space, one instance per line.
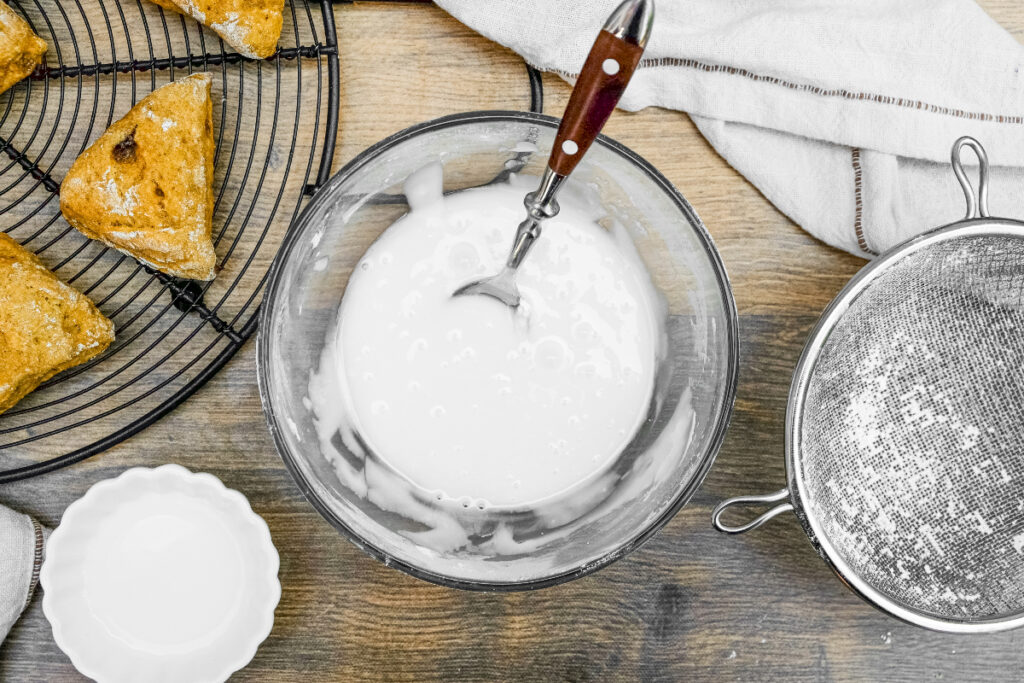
(912,443)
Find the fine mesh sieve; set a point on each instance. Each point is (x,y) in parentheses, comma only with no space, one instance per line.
(905,427)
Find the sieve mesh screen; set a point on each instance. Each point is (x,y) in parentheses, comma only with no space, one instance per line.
(911,451)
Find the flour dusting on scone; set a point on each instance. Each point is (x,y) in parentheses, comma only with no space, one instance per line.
(252,27)
(21,50)
(45,325)
(145,187)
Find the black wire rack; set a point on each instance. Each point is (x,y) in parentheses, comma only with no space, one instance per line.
(275,123)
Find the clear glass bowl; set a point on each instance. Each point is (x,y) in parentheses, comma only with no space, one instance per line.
(588,527)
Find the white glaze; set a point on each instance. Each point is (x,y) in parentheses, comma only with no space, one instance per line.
(468,401)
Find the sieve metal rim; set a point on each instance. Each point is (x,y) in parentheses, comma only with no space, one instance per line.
(978,223)
(795,411)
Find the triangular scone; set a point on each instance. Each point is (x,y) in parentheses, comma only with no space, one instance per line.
(145,187)
(21,50)
(252,27)
(45,325)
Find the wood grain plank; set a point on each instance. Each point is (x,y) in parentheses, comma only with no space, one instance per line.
(691,604)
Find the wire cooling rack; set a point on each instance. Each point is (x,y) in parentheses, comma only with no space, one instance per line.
(275,123)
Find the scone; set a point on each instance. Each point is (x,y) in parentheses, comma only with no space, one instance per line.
(21,50)
(252,27)
(145,187)
(45,325)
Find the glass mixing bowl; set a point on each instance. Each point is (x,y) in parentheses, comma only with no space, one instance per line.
(585,528)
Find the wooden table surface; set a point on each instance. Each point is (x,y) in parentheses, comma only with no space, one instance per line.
(691,603)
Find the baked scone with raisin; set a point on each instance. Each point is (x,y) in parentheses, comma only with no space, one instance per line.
(145,187)
(21,50)
(252,27)
(45,325)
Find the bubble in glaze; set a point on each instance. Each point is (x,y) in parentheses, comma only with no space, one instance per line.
(551,353)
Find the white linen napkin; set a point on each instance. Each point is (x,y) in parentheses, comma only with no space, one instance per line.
(22,541)
(841,113)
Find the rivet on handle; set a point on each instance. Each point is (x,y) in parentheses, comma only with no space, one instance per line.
(716,516)
(977,204)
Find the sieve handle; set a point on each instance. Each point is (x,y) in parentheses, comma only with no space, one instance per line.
(977,203)
(746,501)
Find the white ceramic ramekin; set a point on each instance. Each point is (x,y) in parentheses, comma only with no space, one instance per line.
(160,575)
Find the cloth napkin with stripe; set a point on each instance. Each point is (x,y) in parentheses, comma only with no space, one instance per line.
(22,541)
(841,113)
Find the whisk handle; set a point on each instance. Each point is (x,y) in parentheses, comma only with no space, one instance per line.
(747,501)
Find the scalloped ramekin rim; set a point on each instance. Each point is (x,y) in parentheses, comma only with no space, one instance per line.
(256,631)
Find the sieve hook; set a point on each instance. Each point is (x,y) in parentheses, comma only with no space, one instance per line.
(977,204)
(716,516)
